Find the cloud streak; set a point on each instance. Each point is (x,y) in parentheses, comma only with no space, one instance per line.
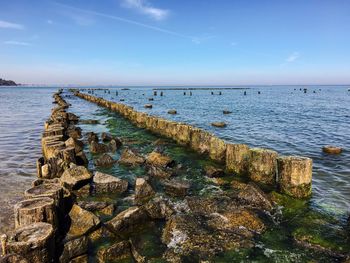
(293,57)
(16,43)
(144,7)
(9,25)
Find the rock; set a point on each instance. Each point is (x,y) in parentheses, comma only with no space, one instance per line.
(92,206)
(76,144)
(82,222)
(108,210)
(35,242)
(35,210)
(226,112)
(105,160)
(74,132)
(219,124)
(13,258)
(117,251)
(160,160)
(332,149)
(106,137)
(96,147)
(262,166)
(130,158)
(172,112)
(143,191)
(159,208)
(159,172)
(148,106)
(81,259)
(237,158)
(75,177)
(176,187)
(83,191)
(252,195)
(92,137)
(236,220)
(105,183)
(217,150)
(114,145)
(81,159)
(89,121)
(54,191)
(212,171)
(102,233)
(200,141)
(74,248)
(127,219)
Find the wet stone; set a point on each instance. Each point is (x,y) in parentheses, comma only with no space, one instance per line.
(92,137)
(159,208)
(105,183)
(75,177)
(131,158)
(74,248)
(89,121)
(219,124)
(332,149)
(117,251)
(105,160)
(143,191)
(96,147)
(212,171)
(176,187)
(173,112)
(158,159)
(159,172)
(92,206)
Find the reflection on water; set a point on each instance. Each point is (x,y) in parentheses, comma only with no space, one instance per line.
(22,115)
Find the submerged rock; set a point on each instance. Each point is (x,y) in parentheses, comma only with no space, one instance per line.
(160,160)
(226,112)
(106,137)
(143,191)
(96,147)
(114,144)
(117,251)
(159,172)
(219,124)
(89,121)
(131,158)
(332,149)
(105,183)
(92,137)
(176,187)
(159,208)
(105,160)
(172,112)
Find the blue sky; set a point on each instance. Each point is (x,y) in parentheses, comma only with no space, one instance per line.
(173,42)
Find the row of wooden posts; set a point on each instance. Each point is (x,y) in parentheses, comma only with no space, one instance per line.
(290,175)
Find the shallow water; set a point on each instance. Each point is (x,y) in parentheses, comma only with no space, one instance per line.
(23,112)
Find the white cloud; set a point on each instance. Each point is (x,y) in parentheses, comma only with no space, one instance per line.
(9,25)
(16,43)
(144,7)
(293,57)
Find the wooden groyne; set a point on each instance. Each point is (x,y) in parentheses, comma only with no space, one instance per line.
(291,175)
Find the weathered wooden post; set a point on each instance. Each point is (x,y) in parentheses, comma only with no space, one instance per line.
(155,93)
(295,175)
(161,93)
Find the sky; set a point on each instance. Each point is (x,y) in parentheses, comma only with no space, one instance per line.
(173,42)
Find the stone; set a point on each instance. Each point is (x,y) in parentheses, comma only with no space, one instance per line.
(200,141)
(212,171)
(108,210)
(105,183)
(143,191)
(131,158)
(159,208)
(252,195)
(80,259)
(82,222)
(92,137)
(117,251)
(295,175)
(76,144)
(74,132)
(114,144)
(74,248)
(176,187)
(13,258)
(159,172)
(127,219)
(105,160)
(96,147)
(81,159)
(148,106)
(106,137)
(54,191)
(220,124)
(237,158)
(75,177)
(102,233)
(160,160)
(35,242)
(332,149)
(262,166)
(89,121)
(226,112)
(83,191)
(35,210)
(92,206)
(172,112)
(217,150)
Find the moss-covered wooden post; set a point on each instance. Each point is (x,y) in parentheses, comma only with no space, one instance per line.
(295,175)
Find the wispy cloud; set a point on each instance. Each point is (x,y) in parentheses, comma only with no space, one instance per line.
(16,43)
(293,57)
(144,7)
(9,25)
(125,20)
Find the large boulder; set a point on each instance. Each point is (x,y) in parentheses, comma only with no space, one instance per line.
(127,219)
(158,159)
(105,160)
(131,158)
(143,191)
(105,183)
(74,248)
(117,251)
(82,222)
(75,177)
(176,187)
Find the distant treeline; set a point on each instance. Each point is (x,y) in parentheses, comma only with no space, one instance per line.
(4,82)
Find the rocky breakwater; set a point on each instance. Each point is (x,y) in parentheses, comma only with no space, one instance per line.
(291,175)
(49,226)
